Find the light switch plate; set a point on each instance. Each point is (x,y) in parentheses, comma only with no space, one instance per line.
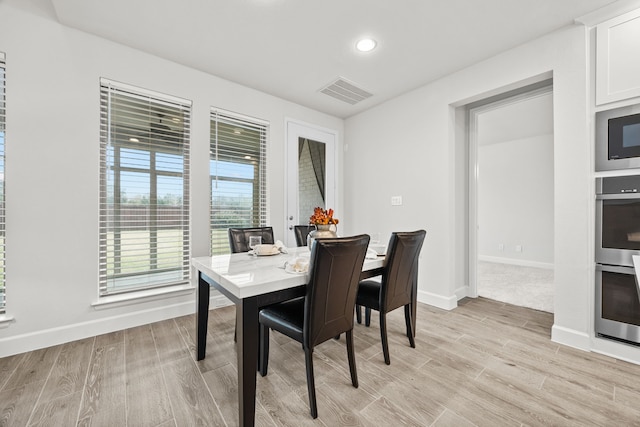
(396,200)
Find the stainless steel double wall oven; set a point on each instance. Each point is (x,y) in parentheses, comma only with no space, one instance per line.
(617,240)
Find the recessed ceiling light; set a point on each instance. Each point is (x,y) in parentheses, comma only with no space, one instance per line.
(366,45)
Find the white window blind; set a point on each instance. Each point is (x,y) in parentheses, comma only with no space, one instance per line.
(144,194)
(3,300)
(238,176)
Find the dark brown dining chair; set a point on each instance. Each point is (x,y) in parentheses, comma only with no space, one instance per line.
(239,242)
(397,287)
(301,232)
(239,237)
(325,311)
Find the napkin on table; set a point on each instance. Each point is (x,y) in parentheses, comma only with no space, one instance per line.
(281,247)
(371,254)
(297,265)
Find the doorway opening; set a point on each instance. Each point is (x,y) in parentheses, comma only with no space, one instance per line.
(511,204)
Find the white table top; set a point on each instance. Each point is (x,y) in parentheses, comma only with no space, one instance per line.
(245,275)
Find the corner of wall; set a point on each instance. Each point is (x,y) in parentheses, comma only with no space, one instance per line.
(570,337)
(440,301)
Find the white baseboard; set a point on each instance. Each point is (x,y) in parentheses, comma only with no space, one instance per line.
(512,261)
(463,292)
(627,352)
(571,338)
(60,335)
(445,303)
(582,341)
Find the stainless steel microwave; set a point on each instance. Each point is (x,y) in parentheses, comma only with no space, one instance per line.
(618,138)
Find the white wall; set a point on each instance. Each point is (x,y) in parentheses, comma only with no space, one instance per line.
(408,147)
(52,171)
(515,201)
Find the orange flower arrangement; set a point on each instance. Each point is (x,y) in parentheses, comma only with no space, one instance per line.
(322,217)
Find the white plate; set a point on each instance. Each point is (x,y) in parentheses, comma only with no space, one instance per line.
(276,252)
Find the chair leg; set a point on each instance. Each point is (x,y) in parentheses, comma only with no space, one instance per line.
(410,332)
(263,349)
(367,316)
(311,387)
(352,359)
(358,314)
(383,337)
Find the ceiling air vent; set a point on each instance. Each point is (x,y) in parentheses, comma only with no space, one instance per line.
(345,91)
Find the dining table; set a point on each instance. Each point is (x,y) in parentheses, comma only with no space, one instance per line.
(252,282)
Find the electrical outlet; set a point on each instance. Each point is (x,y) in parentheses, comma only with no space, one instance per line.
(501,247)
(518,248)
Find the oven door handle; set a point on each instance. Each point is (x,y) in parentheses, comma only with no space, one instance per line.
(622,269)
(636,267)
(618,196)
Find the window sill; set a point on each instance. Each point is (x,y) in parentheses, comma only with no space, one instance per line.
(142,296)
(6,320)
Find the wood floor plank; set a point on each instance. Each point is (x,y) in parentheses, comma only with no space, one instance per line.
(191,401)
(533,358)
(222,321)
(112,338)
(105,387)
(8,365)
(337,411)
(410,399)
(610,370)
(220,349)
(338,390)
(449,418)
(60,411)
(385,413)
(591,406)
(464,397)
(530,406)
(35,367)
(115,416)
(147,398)
(168,341)
(223,385)
(284,405)
(69,371)
(626,397)
(17,404)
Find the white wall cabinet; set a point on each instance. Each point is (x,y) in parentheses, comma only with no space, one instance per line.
(618,58)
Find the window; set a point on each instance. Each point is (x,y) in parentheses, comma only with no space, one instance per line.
(3,300)
(238,170)
(144,194)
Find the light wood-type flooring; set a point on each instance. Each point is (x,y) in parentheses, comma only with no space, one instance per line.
(485,363)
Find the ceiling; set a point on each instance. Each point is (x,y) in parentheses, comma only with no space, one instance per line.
(294,48)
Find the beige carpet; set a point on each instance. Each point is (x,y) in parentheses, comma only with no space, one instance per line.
(522,286)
